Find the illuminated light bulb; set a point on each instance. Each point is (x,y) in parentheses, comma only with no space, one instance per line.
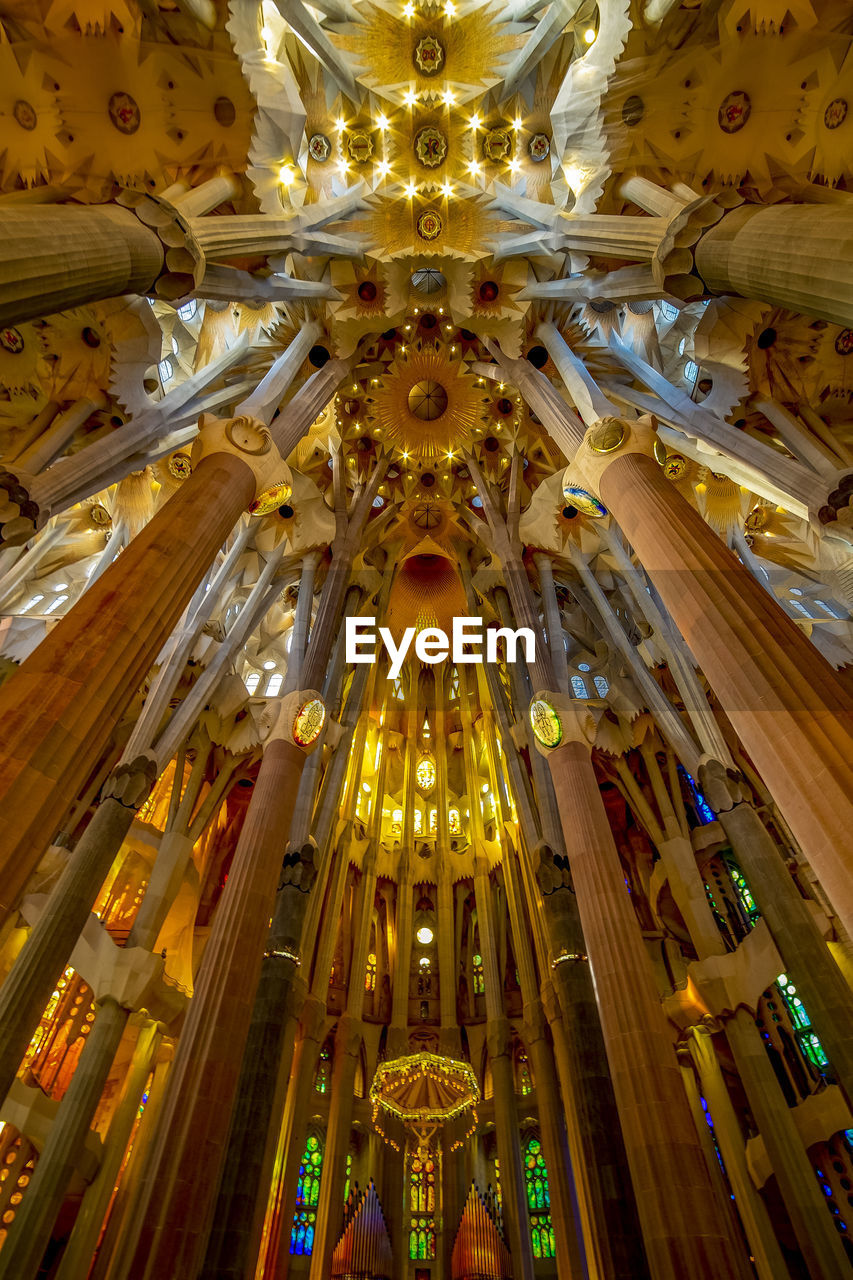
(450,8)
(384,168)
(574,176)
(340,123)
(449,98)
(514,166)
(410,98)
(517,122)
(286,176)
(424,935)
(474,122)
(589,36)
(473,168)
(411,190)
(447,190)
(382,122)
(408,11)
(343,165)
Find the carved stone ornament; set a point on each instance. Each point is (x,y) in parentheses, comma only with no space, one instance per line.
(244,438)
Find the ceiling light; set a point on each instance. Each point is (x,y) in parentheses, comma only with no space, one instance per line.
(474,122)
(447,190)
(340,123)
(589,36)
(411,190)
(286,176)
(382,122)
(517,122)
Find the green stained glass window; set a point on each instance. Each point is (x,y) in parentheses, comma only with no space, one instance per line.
(538,1200)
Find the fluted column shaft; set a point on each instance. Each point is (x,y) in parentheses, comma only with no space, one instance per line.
(181,1176)
(58,256)
(681,1230)
(789,708)
(62,705)
(797,256)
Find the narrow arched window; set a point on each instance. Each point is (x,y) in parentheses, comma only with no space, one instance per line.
(538,1200)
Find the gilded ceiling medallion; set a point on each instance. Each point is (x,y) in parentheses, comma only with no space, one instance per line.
(734,111)
(756,520)
(539,147)
(429,55)
(431,147)
(319,148)
(360,147)
(428,400)
(844,342)
(429,225)
(124,113)
(428,405)
(836,113)
(497,144)
(180,466)
(674,467)
(633,110)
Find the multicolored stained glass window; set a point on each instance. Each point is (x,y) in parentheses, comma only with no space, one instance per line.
(348,1177)
(742,890)
(307,1196)
(422,1206)
(453,823)
(370,972)
(538,1200)
(425,773)
(479,976)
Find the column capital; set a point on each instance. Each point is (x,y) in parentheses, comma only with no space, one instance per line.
(605,441)
(248,439)
(130,783)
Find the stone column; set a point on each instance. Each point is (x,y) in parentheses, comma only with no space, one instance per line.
(796,256)
(187,1150)
(552,616)
(58,256)
(87,1228)
(499,1042)
(792,712)
(821,984)
(682,1231)
(820,1243)
(347,1042)
(769,1262)
(66,699)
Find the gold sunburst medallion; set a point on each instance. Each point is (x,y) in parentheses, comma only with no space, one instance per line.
(428,405)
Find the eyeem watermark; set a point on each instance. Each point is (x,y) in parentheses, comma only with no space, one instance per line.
(432,644)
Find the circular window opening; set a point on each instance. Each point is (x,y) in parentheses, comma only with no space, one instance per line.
(766,339)
(224,112)
(488,291)
(318,356)
(91,337)
(367,291)
(538,357)
(427,479)
(285,512)
(569,513)
(429,321)
(504,407)
(427,400)
(491,444)
(427,280)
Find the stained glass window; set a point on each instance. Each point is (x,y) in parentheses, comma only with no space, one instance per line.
(323,1072)
(479,976)
(370,972)
(425,773)
(422,1206)
(809,1043)
(307,1196)
(578,687)
(524,1080)
(348,1177)
(453,823)
(601,685)
(538,1200)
